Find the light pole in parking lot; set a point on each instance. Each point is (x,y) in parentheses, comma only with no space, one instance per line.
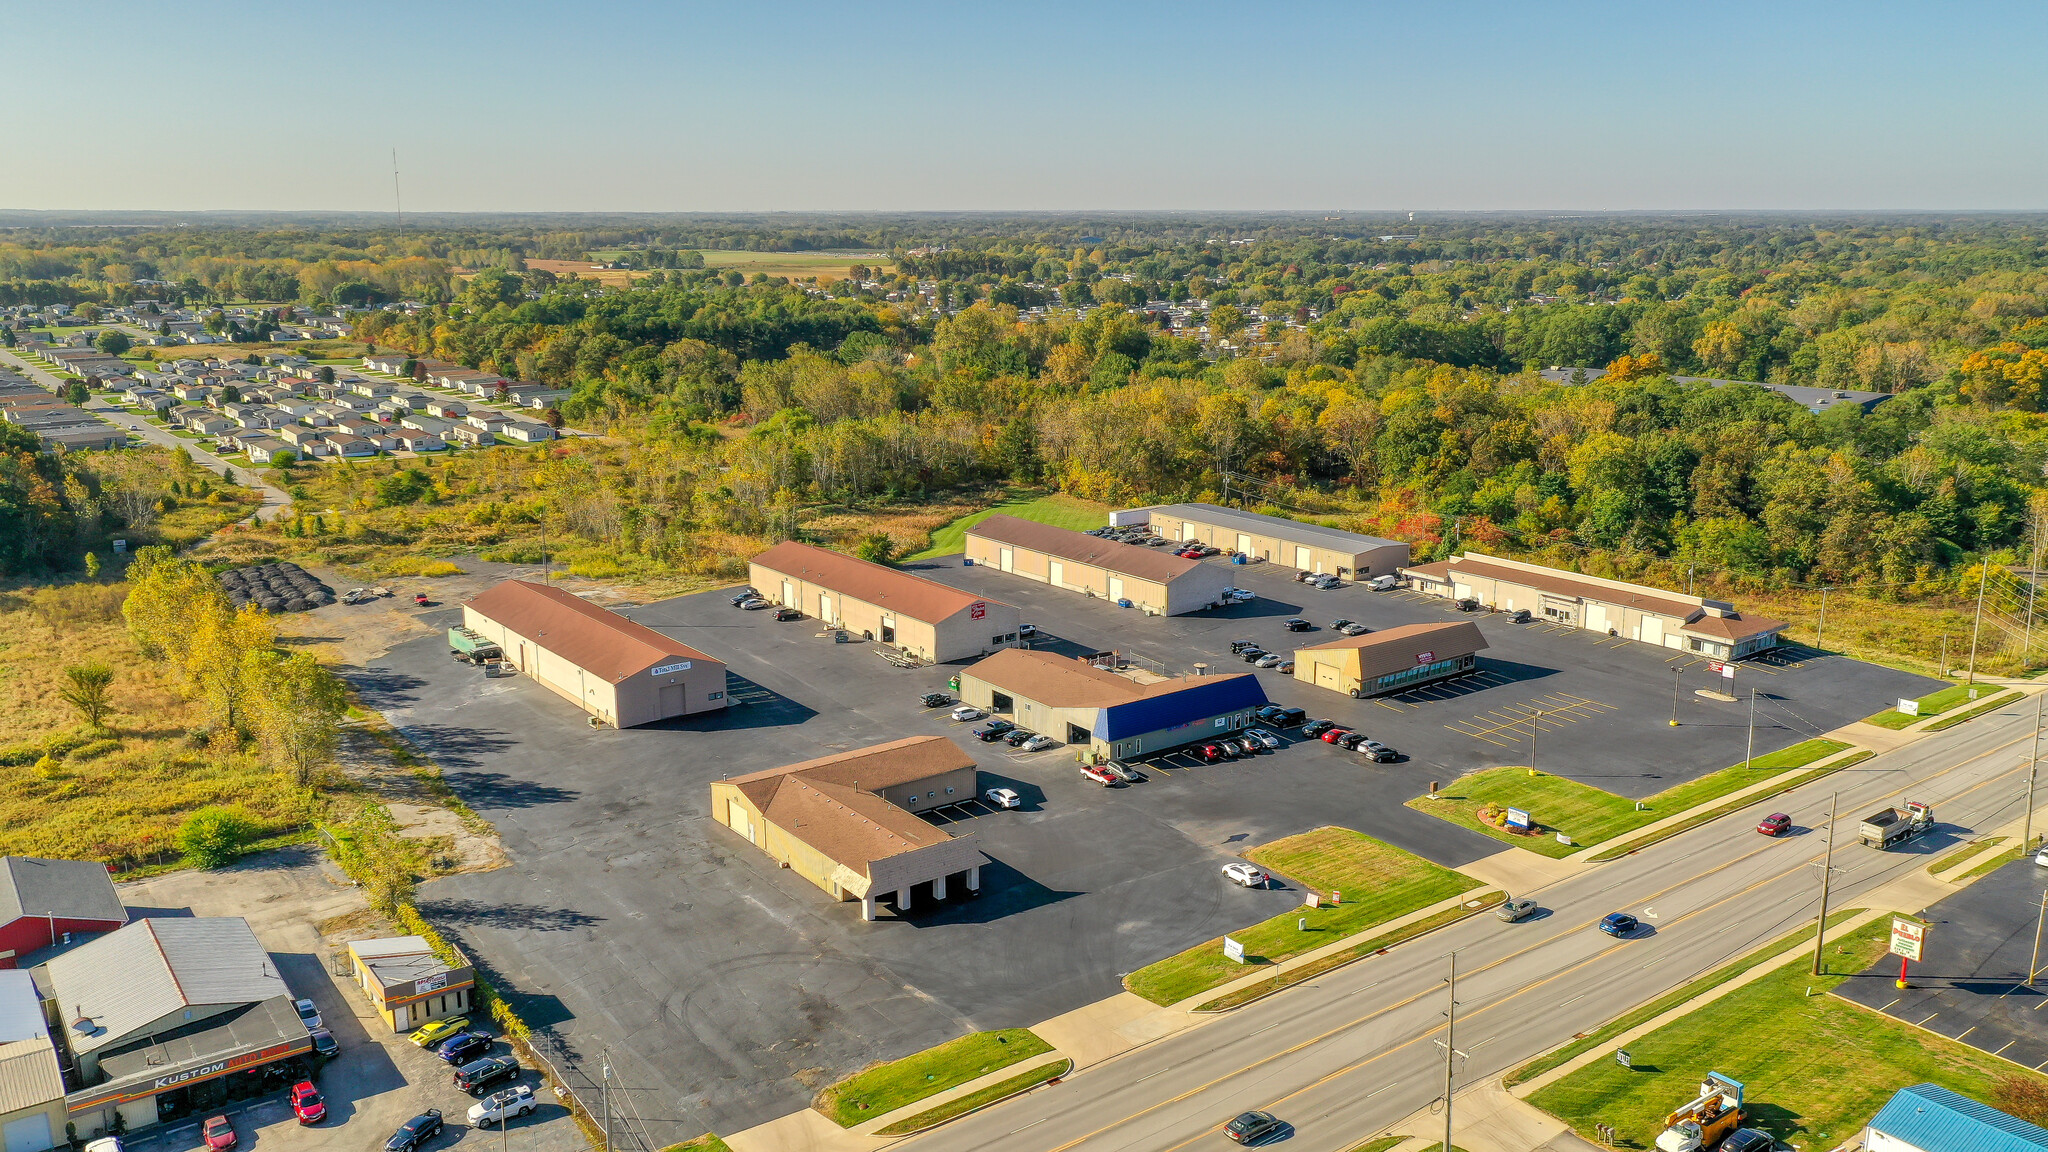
(1675,674)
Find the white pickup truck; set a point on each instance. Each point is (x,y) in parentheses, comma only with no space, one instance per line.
(499,1107)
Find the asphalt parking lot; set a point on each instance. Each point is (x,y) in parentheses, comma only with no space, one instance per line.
(727,990)
(1971,987)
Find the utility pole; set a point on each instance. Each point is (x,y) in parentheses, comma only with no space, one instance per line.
(544,544)
(1450,1048)
(2033,578)
(2033,770)
(1535,725)
(397,201)
(1983,574)
(2034,965)
(1749,752)
(1675,674)
(1827,875)
(1821,628)
(1943,671)
(604,1091)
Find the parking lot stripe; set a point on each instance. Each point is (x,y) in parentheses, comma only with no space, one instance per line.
(1923,1023)
(2008,1044)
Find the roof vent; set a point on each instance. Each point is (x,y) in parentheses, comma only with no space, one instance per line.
(84,1024)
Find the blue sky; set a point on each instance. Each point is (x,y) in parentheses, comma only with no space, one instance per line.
(764,106)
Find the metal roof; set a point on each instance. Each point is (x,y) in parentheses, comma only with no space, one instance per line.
(67,889)
(21,1007)
(1279,527)
(136,975)
(1155,564)
(886,588)
(29,1075)
(599,641)
(1934,1119)
(1191,701)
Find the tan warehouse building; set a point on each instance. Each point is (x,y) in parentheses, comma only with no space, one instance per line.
(1309,547)
(1152,580)
(622,673)
(1710,628)
(1105,715)
(848,823)
(933,621)
(408,983)
(1394,660)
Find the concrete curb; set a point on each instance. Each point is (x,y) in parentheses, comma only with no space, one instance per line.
(1054,1078)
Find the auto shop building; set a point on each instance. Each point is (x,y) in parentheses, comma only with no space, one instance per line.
(1309,547)
(848,822)
(1152,580)
(1390,661)
(621,672)
(1710,628)
(933,621)
(410,984)
(1107,715)
(44,901)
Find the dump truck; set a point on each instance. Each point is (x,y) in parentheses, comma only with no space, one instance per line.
(1712,1115)
(470,646)
(1897,825)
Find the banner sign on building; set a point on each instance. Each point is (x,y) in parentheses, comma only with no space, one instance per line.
(670,669)
(1425,657)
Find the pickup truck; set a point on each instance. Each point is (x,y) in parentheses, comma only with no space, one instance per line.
(471,647)
(1897,825)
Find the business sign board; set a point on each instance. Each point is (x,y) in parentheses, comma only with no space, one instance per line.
(1909,707)
(1622,1058)
(1233,950)
(426,984)
(670,669)
(978,612)
(1908,937)
(1517,818)
(1425,657)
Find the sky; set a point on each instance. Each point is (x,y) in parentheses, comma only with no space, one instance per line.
(610,105)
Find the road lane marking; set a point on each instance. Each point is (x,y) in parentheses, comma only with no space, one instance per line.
(1033,1124)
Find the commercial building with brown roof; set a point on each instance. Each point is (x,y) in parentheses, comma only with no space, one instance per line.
(1152,580)
(1309,547)
(1105,715)
(933,621)
(1392,660)
(1689,623)
(849,822)
(620,672)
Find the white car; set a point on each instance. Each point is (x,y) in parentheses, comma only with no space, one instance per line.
(499,1107)
(308,1013)
(1003,798)
(1040,743)
(1239,872)
(1264,737)
(968,712)
(2041,857)
(1027,631)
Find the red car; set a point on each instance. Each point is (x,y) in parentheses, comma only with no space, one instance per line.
(1099,775)
(307,1104)
(1211,753)
(1335,734)
(218,1133)
(1776,824)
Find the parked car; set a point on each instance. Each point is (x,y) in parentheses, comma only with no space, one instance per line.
(1102,776)
(1251,1126)
(755,604)
(788,614)
(1267,713)
(1296,624)
(1314,729)
(324,1044)
(1245,745)
(1326,583)
(1040,743)
(1384,583)
(1017,736)
(1003,797)
(1341,623)
(464,1047)
(1511,911)
(1027,631)
(308,1013)
(1354,629)
(744,595)
(1349,741)
(415,1132)
(1776,824)
(1467,604)
(1285,667)
(968,712)
(1619,924)
(434,1031)
(1377,752)
(1189,554)
(498,1107)
(1269,660)
(218,1133)
(1519,616)
(1249,875)
(1211,753)
(1238,646)
(936,700)
(1125,771)
(307,1104)
(1334,734)
(1304,576)
(1289,717)
(993,731)
(1251,655)
(478,1075)
(1266,739)
(1748,1140)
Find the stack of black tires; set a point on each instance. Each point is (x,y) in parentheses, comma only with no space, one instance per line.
(275,588)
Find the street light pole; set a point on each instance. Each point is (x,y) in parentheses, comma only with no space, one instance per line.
(1749,751)
(1822,627)
(2034,965)
(2033,770)
(1827,874)
(1675,674)
(604,1092)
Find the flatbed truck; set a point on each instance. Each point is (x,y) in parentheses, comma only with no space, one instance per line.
(1897,825)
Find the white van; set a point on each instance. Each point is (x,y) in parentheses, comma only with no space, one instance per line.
(1385,583)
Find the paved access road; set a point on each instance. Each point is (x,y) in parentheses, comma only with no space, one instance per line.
(276,501)
(1355,1051)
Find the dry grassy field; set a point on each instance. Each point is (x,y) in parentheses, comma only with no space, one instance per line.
(583,270)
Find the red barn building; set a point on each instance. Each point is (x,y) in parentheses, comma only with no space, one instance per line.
(41,900)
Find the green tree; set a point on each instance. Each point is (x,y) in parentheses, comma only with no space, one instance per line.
(76,392)
(113,342)
(92,565)
(214,836)
(875,547)
(296,706)
(87,688)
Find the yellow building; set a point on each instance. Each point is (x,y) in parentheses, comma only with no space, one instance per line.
(934,621)
(1152,580)
(1390,661)
(408,983)
(1309,547)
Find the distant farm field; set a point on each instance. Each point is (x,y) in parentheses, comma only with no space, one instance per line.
(795,265)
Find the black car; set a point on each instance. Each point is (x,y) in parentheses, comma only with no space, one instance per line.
(1289,717)
(1237,646)
(1468,605)
(788,614)
(1351,740)
(993,732)
(475,1077)
(1521,616)
(415,1132)
(1268,714)
(325,1044)
(1250,655)
(464,1047)
(1296,624)
(1376,752)
(745,594)
(1015,737)
(936,700)
(1315,728)
(1748,1140)
(1252,1126)
(1340,623)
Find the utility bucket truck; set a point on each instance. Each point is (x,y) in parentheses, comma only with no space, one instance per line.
(1707,1120)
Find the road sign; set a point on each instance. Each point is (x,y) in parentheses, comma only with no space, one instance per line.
(1622,1058)
(1314,901)
(1233,950)
(1907,938)
(1518,818)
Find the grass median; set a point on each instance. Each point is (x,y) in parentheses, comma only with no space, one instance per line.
(1359,951)
(1001,1090)
(1590,815)
(1932,704)
(1995,702)
(1379,882)
(883,1088)
(708,1142)
(1814,1066)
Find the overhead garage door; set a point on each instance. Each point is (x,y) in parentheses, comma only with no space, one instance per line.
(1301,557)
(1326,677)
(1187,531)
(1244,543)
(28,1134)
(1653,629)
(1056,572)
(1006,560)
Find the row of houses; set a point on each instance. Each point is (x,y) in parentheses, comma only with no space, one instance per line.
(54,420)
(472,381)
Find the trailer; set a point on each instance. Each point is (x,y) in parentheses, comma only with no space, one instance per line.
(473,647)
(1897,825)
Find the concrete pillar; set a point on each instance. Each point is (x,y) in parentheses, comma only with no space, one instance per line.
(974,878)
(867,907)
(903,900)
(939,888)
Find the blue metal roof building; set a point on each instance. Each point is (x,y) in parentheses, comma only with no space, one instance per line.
(1930,1118)
(1109,715)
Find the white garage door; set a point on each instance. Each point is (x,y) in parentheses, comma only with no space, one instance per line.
(1187,531)
(28,1134)
(1057,572)
(1653,629)
(1005,559)
(1301,559)
(1116,588)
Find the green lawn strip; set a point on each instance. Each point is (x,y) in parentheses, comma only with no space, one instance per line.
(1951,721)
(1665,1003)
(1932,704)
(994,1093)
(887,1087)
(1992,863)
(1379,883)
(1381,1144)
(1317,967)
(708,1142)
(1735,805)
(1814,1066)
(1057,510)
(1592,815)
(1951,859)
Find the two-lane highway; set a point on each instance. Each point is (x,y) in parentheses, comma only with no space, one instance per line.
(1351,1052)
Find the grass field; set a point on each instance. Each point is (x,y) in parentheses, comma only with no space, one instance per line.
(794,265)
(1592,815)
(1001,1090)
(1056,509)
(708,1142)
(1932,704)
(1815,1066)
(1379,883)
(886,1087)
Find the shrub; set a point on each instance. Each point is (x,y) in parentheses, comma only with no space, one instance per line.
(213,836)
(420,566)
(875,547)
